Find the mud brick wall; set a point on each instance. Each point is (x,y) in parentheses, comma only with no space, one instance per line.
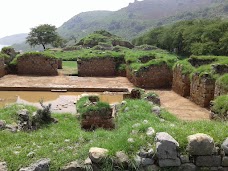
(202,90)
(152,77)
(2,67)
(37,65)
(96,67)
(181,82)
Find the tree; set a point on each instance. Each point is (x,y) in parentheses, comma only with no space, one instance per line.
(43,35)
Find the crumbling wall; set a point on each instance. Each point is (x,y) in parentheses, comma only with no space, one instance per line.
(37,65)
(202,89)
(96,67)
(181,82)
(155,76)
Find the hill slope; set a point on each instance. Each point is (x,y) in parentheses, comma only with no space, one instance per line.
(16,38)
(139,16)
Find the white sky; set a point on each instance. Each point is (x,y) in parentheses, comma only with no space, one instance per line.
(19,16)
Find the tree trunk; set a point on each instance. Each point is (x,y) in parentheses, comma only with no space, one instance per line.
(43,46)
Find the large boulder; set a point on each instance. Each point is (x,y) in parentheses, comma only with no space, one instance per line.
(167,150)
(225,146)
(98,155)
(41,165)
(200,145)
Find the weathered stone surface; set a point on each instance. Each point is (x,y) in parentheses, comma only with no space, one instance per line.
(150,131)
(3,166)
(135,94)
(2,124)
(151,168)
(97,155)
(200,144)
(225,161)
(41,165)
(121,158)
(146,154)
(23,115)
(181,82)
(169,162)
(188,167)
(154,99)
(208,161)
(225,146)
(153,77)
(37,65)
(166,150)
(147,161)
(184,159)
(202,90)
(156,110)
(73,166)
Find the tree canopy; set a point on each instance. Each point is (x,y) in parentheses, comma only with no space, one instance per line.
(198,37)
(43,35)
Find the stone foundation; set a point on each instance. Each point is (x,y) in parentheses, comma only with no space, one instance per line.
(37,65)
(152,77)
(202,90)
(181,82)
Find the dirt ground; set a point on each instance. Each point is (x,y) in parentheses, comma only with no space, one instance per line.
(183,108)
(179,106)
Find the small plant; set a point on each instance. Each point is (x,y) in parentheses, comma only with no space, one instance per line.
(42,116)
(220,108)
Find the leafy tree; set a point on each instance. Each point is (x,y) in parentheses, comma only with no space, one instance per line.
(43,35)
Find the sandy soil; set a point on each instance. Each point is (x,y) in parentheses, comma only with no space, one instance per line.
(182,107)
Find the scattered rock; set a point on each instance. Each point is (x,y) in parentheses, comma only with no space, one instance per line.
(136,94)
(156,110)
(97,155)
(136,125)
(12,128)
(147,161)
(31,154)
(121,158)
(188,167)
(200,144)
(3,166)
(126,109)
(88,161)
(2,124)
(150,131)
(154,99)
(145,122)
(146,154)
(23,115)
(130,140)
(208,161)
(41,165)
(73,166)
(225,146)
(166,150)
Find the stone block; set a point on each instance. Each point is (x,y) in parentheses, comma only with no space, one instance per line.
(208,161)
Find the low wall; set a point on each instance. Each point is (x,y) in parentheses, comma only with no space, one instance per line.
(37,65)
(202,90)
(181,82)
(96,67)
(152,77)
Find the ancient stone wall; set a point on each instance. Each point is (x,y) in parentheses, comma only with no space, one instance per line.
(2,67)
(37,65)
(156,76)
(181,82)
(96,67)
(202,90)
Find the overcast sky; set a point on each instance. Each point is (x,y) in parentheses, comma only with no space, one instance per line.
(18,16)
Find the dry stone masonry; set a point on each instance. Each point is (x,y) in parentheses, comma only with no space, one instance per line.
(37,65)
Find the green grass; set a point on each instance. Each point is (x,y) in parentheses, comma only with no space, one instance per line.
(69,68)
(160,57)
(223,82)
(220,106)
(51,141)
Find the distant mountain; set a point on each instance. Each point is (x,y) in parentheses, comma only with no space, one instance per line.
(138,17)
(16,38)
